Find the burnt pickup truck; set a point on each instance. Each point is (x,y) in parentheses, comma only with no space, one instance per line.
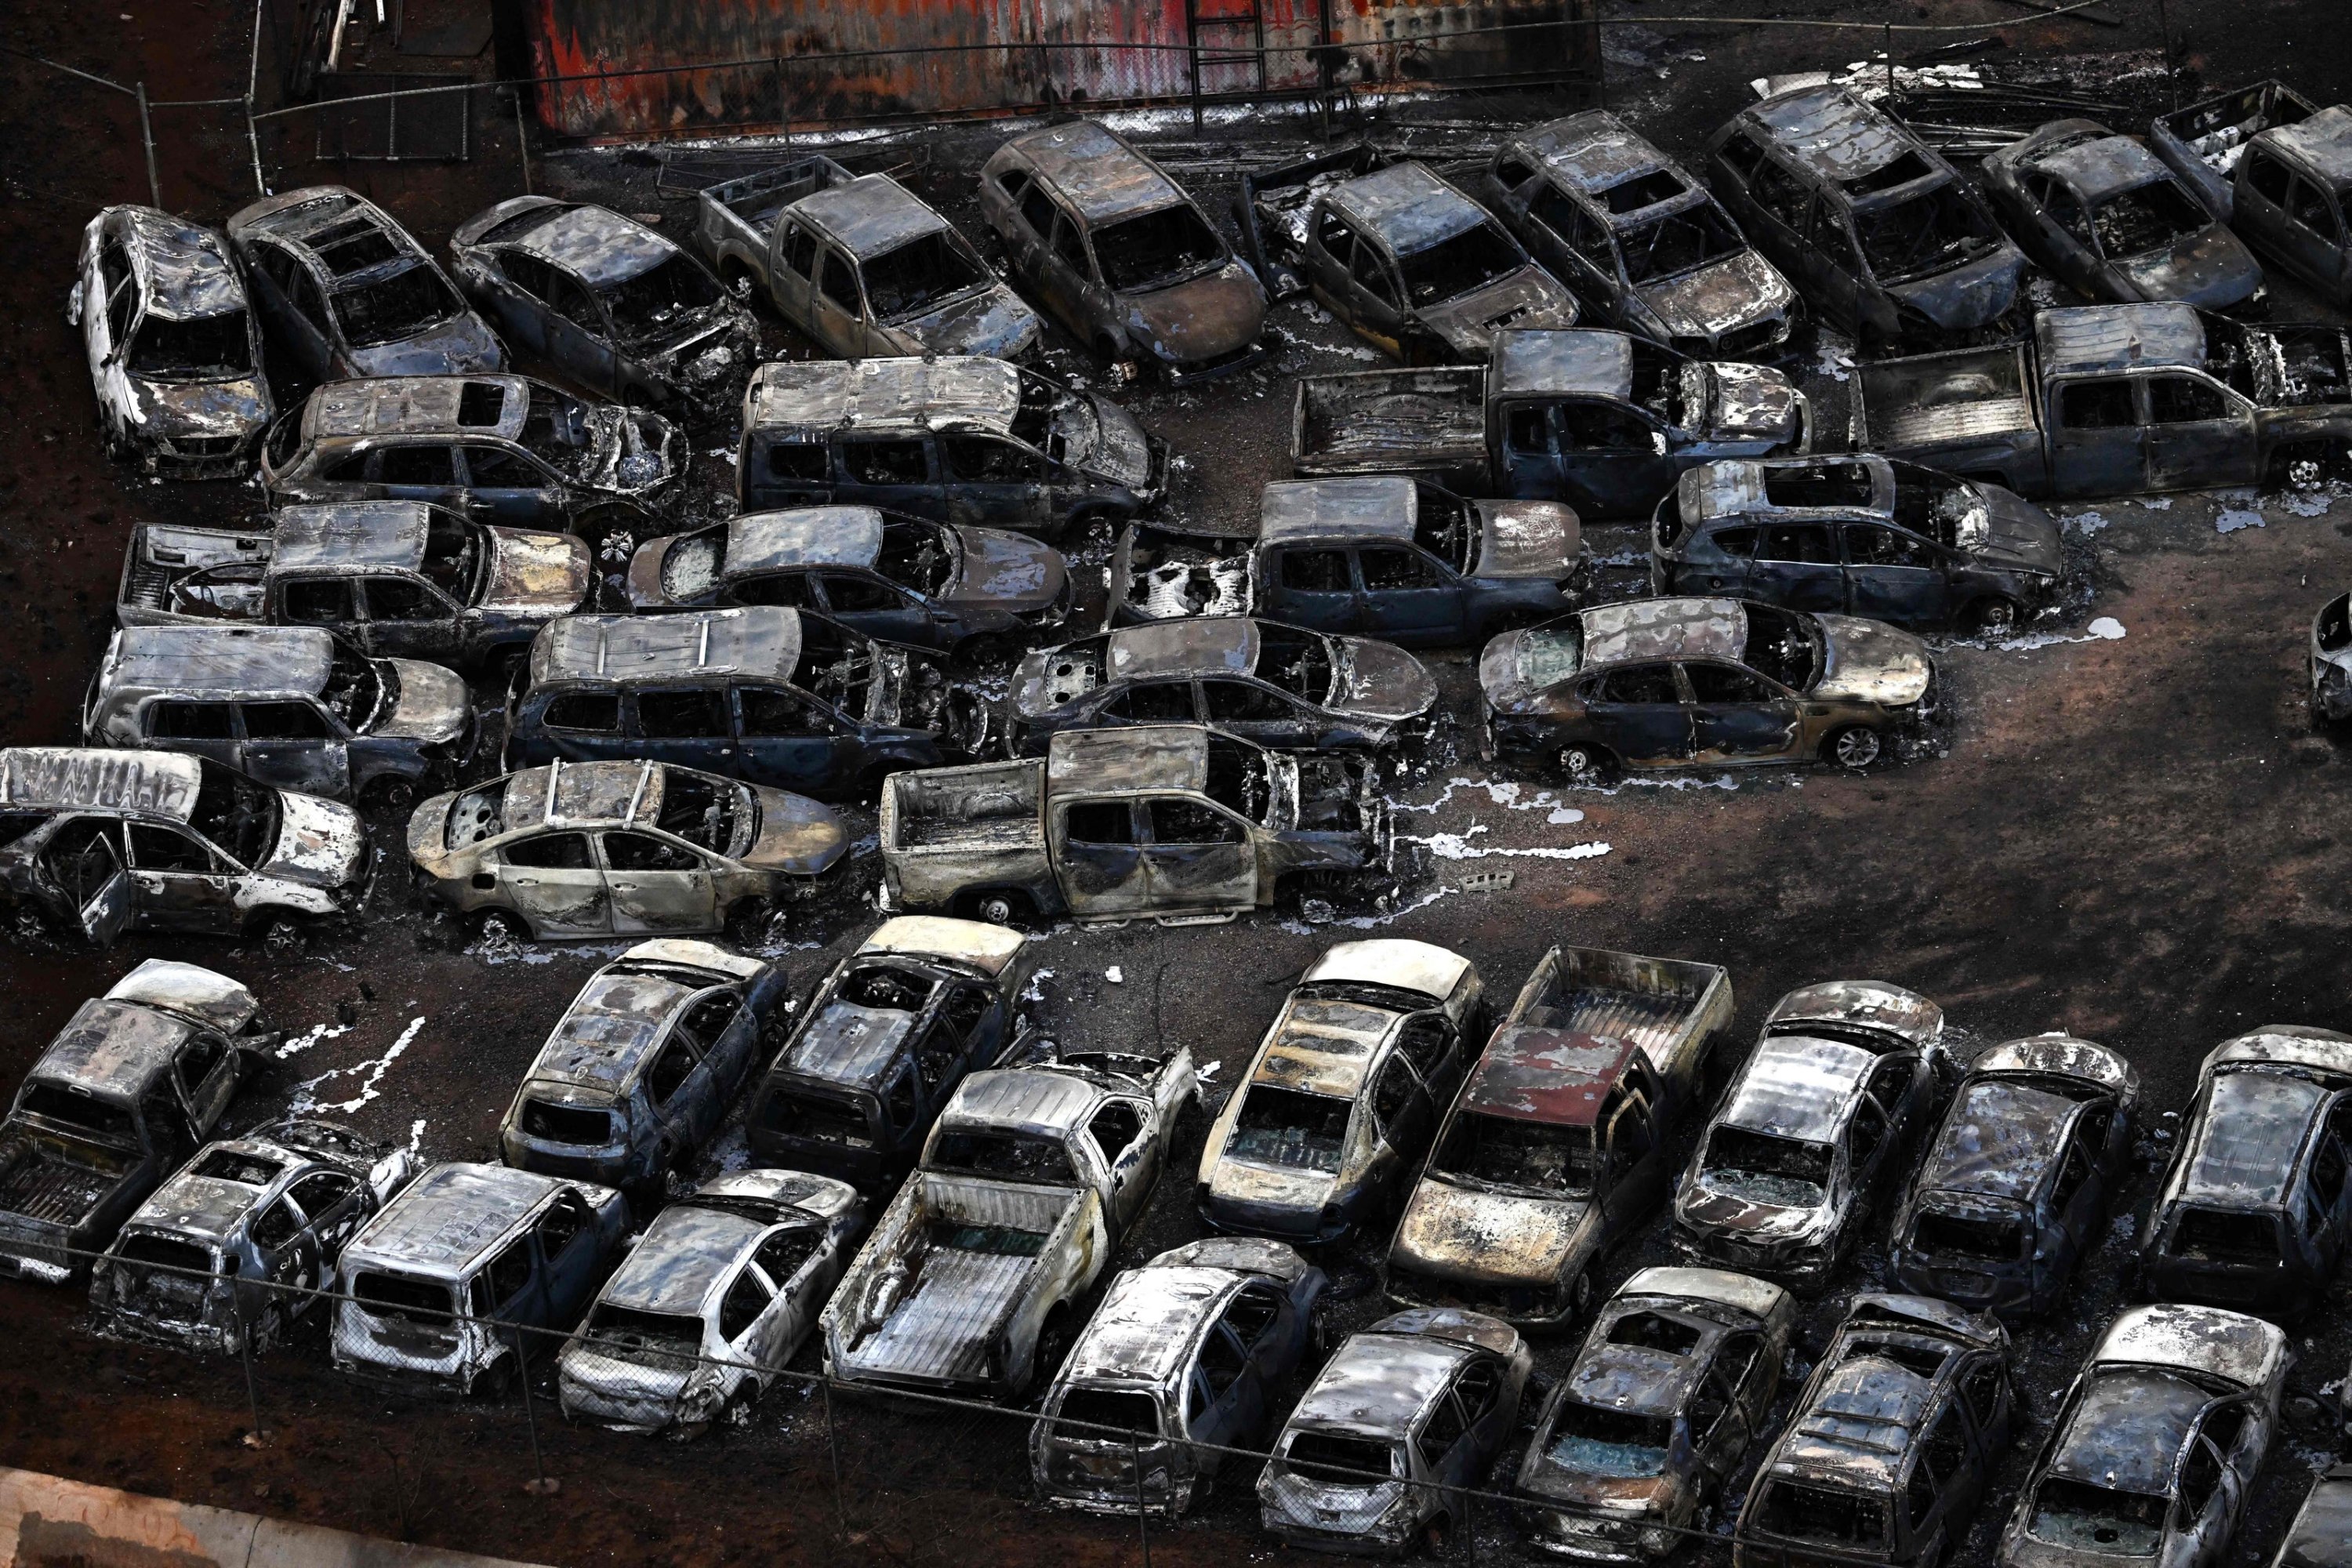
(1603,421)
(1032,1176)
(1177,822)
(2118,400)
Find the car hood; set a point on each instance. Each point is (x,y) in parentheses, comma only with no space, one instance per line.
(1496,1238)
(2212,269)
(1204,317)
(2017,532)
(320,843)
(170,408)
(1707,1210)
(433,707)
(1752,403)
(1376,680)
(796,835)
(462,346)
(1262,1195)
(1527,539)
(1527,298)
(1720,297)
(537,573)
(1971,295)
(1006,571)
(991,320)
(1869,661)
(1103,439)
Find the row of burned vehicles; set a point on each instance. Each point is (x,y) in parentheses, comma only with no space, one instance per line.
(1511,1169)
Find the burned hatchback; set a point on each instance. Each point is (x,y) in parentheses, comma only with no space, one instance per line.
(2254,1206)
(2013,1190)
(174,352)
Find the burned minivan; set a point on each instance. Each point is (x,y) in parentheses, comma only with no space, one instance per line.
(2013,1190)
(286,706)
(1189,1356)
(638,1073)
(2254,1206)
(232,1251)
(621,309)
(1671,1386)
(882,1044)
(1344,1092)
(431,1291)
(174,352)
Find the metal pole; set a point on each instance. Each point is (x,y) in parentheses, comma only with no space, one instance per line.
(2171,76)
(1890,68)
(253,140)
(833,1451)
(252,1390)
(522,142)
(147,134)
(541,1484)
(1142,1519)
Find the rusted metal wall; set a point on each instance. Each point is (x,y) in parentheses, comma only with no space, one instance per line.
(696,66)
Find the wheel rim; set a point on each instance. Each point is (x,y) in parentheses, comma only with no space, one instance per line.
(1998,616)
(996,911)
(1578,765)
(1857,748)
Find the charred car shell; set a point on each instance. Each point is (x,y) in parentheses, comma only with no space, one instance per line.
(2329,662)
(175,347)
(2290,198)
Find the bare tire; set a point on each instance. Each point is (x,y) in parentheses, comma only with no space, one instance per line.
(1583,764)
(1996,616)
(1053,1344)
(1854,748)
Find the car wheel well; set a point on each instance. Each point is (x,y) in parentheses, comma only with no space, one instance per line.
(998,906)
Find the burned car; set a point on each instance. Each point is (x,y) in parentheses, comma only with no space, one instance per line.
(2106,215)
(1197,1347)
(1870,222)
(882,1045)
(95,842)
(595,848)
(2291,194)
(389,577)
(622,310)
(1120,255)
(1858,535)
(962,440)
(1893,1441)
(285,705)
(1177,823)
(174,352)
(1672,1385)
(2155,1452)
(1673,683)
(1559,1143)
(859,263)
(431,1292)
(1631,231)
(1420,270)
(2253,1208)
(2328,663)
(782,697)
(1808,1137)
(1344,1092)
(712,1302)
(2321,1535)
(903,579)
(130,1085)
(2204,141)
(638,1073)
(1275,684)
(501,448)
(2013,1190)
(1371,555)
(1402,1420)
(350,293)
(231,1251)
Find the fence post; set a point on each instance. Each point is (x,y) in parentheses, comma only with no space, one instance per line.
(833,1452)
(253,1438)
(541,1484)
(147,135)
(522,140)
(1142,1517)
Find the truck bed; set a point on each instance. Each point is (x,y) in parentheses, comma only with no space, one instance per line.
(991,808)
(1388,421)
(1670,1007)
(2204,142)
(751,203)
(1650,1021)
(40,1182)
(1929,401)
(161,557)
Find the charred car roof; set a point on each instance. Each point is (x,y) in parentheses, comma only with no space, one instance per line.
(1200,645)
(193,993)
(1797,1087)
(2323,141)
(585,794)
(156,783)
(1595,152)
(1033,1099)
(1151,1319)
(1326,1046)
(2095,162)
(184,270)
(2093,340)
(2287,1048)
(1643,629)
(1420,967)
(1546,360)
(904,393)
(1380,1381)
(1735,487)
(1094,171)
(594,244)
(987,948)
(605,1036)
(686,1252)
(2238,1348)
(449,1217)
(870,215)
(803,536)
(2001,1140)
(419,406)
(758,641)
(319,218)
(1545,1075)
(2245,1144)
(1843,140)
(1373,505)
(1880,1011)
(1865,1413)
(242,661)
(115,1044)
(212,1203)
(1407,206)
(360,533)
(1146,756)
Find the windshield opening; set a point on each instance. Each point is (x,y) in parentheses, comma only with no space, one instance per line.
(2087,1517)
(1298,662)
(1533,1156)
(1337,1456)
(1033,421)
(360,692)
(715,814)
(207,348)
(1783,647)
(1679,243)
(881,987)
(2223,1235)
(1118,1409)
(574,1126)
(61,1107)
(664,1339)
(1290,1129)
(1589,1441)
(1154,249)
(659,298)
(1447,527)
(429,1303)
(1766,1168)
(1642,191)
(1459,265)
(2153,217)
(1238,779)
(556,429)
(354,245)
(1926,234)
(1815,1513)
(394,307)
(918,555)
(237,815)
(1963,1235)
(926,271)
(835,665)
(1010,1156)
(457,555)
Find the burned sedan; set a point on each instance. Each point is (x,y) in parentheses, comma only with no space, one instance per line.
(638,1073)
(230,1252)
(399,578)
(1631,231)
(2254,1206)
(2155,1452)
(1404,1417)
(1344,1092)
(1894,1440)
(1197,1347)
(1860,535)
(1671,683)
(621,309)
(501,448)
(431,1292)
(2292,196)
(1120,255)
(286,706)
(882,1045)
(1870,222)
(970,590)
(712,1302)
(350,293)
(1672,1385)
(595,849)
(1809,1136)
(174,352)
(1276,685)
(2106,215)
(2013,1190)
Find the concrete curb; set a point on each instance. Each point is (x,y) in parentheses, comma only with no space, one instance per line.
(47,1522)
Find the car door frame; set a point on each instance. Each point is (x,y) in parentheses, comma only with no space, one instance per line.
(1235,861)
(329,771)
(616,878)
(1781,704)
(1607,729)
(592,876)
(102,913)
(2094,460)
(171,899)
(1124,889)
(2235,439)
(1447,596)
